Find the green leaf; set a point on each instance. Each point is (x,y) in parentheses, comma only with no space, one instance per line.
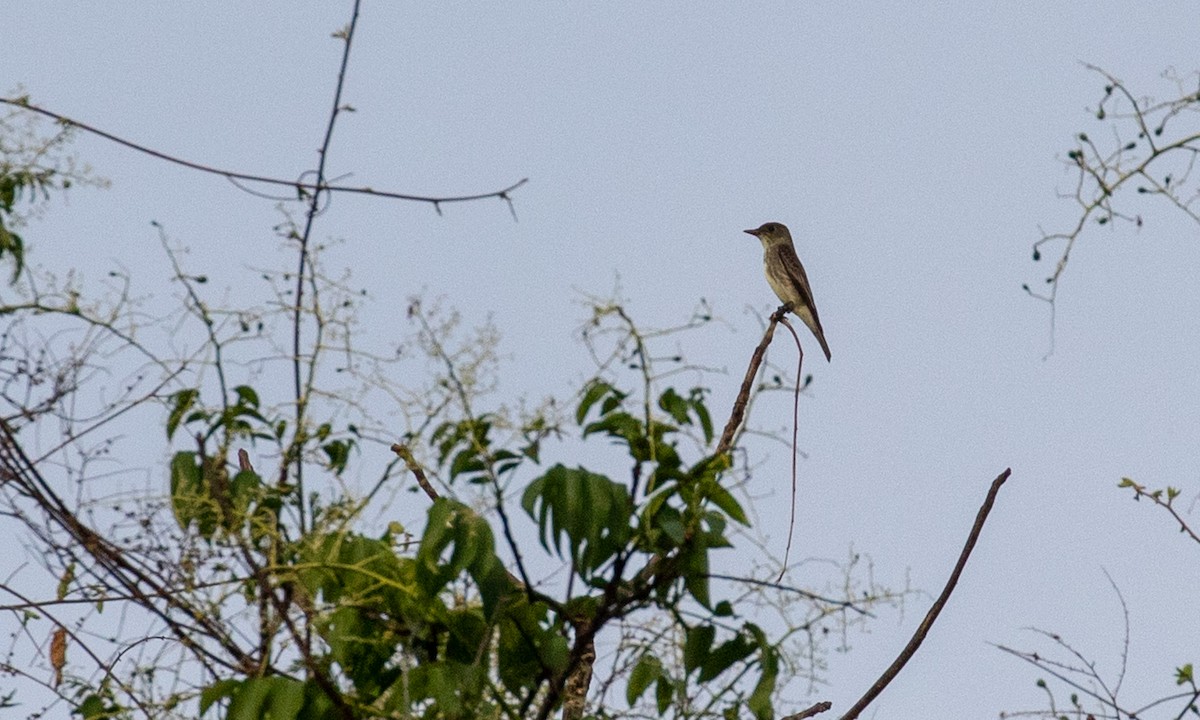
(246,396)
(701,410)
(674,405)
(216,692)
(759,701)
(591,512)
(722,499)
(184,400)
(466,461)
(337,455)
(695,574)
(1183,675)
(664,691)
(596,389)
(191,500)
(267,698)
(530,645)
(94,707)
(618,425)
(724,657)
(696,645)
(474,550)
(64,582)
(614,400)
(248,700)
(12,245)
(454,688)
(648,669)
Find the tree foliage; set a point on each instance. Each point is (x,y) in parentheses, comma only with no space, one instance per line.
(254,581)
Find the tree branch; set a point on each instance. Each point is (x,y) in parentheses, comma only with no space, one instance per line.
(923,629)
(810,712)
(436,200)
(743,397)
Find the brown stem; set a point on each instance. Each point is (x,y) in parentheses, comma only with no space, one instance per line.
(923,629)
(580,678)
(743,396)
(415,468)
(814,710)
(787,549)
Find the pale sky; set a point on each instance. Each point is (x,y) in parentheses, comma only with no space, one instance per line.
(914,149)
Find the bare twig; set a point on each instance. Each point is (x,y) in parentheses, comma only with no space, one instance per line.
(843,604)
(923,629)
(16,468)
(810,712)
(302,385)
(436,200)
(1140,161)
(787,550)
(743,397)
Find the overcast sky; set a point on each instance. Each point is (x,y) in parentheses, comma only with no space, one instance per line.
(913,148)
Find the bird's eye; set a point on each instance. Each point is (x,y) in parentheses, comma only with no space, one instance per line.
(772,227)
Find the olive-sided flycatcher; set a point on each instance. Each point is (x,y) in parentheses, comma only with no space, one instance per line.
(786,276)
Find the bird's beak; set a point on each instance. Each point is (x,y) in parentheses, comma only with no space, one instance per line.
(751,232)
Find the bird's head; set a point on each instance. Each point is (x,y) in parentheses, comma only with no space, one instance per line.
(772,233)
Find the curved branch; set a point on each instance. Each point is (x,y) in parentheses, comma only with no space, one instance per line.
(435,200)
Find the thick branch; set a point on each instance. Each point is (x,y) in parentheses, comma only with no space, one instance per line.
(579,679)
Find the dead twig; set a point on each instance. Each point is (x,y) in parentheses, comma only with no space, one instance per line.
(923,629)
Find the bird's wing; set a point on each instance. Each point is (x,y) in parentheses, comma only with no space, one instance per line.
(795,273)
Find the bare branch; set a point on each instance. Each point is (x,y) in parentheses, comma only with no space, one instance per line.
(923,629)
(435,200)
(743,397)
(810,712)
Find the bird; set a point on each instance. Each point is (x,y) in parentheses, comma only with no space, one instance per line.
(786,277)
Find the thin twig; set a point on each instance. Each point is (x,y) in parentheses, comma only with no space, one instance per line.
(844,604)
(787,550)
(1155,496)
(300,384)
(502,194)
(814,710)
